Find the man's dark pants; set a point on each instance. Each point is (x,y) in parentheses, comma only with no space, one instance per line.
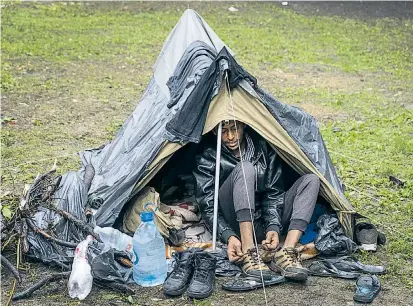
(299,201)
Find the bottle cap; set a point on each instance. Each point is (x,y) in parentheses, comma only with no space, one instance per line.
(97,229)
(146,216)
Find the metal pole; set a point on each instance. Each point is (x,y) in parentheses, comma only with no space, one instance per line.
(217,168)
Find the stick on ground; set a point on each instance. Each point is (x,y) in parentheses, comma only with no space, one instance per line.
(29,291)
(13,270)
(68,244)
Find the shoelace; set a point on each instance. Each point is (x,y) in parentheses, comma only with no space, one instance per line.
(256,258)
(201,270)
(293,254)
(181,269)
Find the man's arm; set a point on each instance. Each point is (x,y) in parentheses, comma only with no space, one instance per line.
(273,197)
(205,181)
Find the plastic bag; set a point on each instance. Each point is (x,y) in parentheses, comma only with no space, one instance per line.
(224,267)
(331,239)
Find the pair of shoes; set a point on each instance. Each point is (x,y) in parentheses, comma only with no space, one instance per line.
(287,261)
(194,268)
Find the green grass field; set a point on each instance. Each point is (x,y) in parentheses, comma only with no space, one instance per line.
(71,73)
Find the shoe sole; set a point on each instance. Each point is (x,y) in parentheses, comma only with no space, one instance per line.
(176,292)
(258,275)
(361,299)
(296,276)
(195,295)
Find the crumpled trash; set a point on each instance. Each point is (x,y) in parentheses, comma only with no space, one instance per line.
(176,237)
(224,267)
(106,268)
(331,239)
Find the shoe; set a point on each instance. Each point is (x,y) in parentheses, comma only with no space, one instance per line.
(247,283)
(202,282)
(266,255)
(287,262)
(252,265)
(352,264)
(366,236)
(367,288)
(178,280)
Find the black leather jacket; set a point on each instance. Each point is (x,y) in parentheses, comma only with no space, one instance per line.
(270,185)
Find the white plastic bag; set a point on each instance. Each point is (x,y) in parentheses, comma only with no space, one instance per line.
(81,279)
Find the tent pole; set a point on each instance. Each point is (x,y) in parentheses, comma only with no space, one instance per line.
(217,168)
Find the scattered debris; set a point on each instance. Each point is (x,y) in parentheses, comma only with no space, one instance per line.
(396,181)
(7,120)
(336,129)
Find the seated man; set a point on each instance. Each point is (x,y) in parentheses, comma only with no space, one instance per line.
(253,201)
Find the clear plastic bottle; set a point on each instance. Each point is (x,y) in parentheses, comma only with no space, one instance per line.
(150,266)
(114,238)
(81,279)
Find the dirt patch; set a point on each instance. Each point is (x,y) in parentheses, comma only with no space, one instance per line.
(310,76)
(302,86)
(356,10)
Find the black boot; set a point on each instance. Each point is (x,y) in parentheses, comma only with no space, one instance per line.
(177,282)
(202,282)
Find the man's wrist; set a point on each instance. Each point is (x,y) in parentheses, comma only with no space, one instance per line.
(273,228)
(227,234)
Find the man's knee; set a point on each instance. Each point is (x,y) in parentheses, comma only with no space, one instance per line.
(311,180)
(248,167)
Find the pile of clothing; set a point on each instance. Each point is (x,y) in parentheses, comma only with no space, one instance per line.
(180,222)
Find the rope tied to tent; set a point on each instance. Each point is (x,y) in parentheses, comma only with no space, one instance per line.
(245,182)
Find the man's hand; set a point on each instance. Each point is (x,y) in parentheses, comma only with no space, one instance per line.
(234,249)
(271,241)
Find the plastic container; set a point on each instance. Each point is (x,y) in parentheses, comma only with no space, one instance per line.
(150,266)
(81,279)
(114,238)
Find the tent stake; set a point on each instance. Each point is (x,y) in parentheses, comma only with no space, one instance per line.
(217,168)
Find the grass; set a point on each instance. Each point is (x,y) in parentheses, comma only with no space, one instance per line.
(71,73)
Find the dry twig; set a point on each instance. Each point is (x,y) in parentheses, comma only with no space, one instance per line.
(29,291)
(13,270)
(68,244)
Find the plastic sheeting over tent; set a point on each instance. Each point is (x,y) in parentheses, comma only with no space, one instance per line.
(188,52)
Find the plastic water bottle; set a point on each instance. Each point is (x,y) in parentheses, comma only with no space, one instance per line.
(114,238)
(81,279)
(149,267)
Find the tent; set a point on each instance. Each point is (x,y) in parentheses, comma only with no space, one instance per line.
(196,84)
(186,98)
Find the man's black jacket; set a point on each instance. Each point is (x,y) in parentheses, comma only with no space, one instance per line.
(270,185)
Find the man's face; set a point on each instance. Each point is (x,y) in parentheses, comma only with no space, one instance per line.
(231,134)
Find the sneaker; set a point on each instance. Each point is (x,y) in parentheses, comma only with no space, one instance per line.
(366,236)
(177,281)
(252,265)
(287,262)
(202,281)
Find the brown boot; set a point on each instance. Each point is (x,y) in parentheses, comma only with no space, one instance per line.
(287,262)
(266,255)
(252,265)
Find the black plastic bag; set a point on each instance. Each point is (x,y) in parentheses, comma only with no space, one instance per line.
(224,267)
(331,239)
(106,268)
